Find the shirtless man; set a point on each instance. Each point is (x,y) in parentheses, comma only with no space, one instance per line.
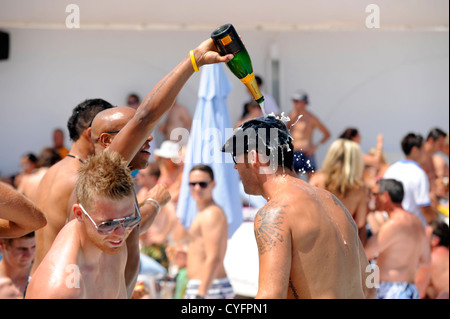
(308,243)
(89,255)
(400,245)
(208,237)
(435,142)
(18,215)
(15,266)
(302,133)
(30,182)
(132,138)
(437,282)
(58,183)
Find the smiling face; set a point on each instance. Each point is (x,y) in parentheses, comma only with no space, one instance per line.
(105,210)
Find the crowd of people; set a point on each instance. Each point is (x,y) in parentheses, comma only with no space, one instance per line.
(75,223)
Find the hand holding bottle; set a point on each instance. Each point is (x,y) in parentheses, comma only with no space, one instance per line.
(206,53)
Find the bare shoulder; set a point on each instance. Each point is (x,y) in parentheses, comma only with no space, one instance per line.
(60,178)
(212,214)
(317,179)
(53,288)
(58,273)
(271,224)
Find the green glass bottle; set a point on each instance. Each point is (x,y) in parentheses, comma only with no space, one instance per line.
(228,41)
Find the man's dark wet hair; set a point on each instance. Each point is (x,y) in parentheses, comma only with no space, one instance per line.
(411,140)
(267,135)
(394,189)
(83,115)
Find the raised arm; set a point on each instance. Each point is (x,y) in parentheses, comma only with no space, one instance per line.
(18,215)
(160,100)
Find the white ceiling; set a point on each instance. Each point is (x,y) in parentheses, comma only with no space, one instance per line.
(244,14)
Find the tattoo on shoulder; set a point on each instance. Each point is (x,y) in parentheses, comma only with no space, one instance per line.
(268,230)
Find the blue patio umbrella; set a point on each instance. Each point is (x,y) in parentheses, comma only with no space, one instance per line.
(210,129)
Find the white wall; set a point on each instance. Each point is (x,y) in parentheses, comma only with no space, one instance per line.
(379,81)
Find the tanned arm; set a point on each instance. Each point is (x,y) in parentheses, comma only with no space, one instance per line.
(160,99)
(18,215)
(274,249)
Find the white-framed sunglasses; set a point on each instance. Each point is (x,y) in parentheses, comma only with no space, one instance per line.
(107,227)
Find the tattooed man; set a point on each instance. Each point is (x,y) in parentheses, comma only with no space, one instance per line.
(308,243)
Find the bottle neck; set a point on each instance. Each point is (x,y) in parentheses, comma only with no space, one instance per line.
(250,83)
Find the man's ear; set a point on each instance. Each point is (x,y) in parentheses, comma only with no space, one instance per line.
(77,212)
(88,132)
(252,157)
(105,139)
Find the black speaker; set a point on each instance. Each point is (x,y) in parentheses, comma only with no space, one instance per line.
(4,45)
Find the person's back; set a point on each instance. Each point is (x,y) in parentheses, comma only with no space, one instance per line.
(327,250)
(355,200)
(30,183)
(414,179)
(341,174)
(308,243)
(52,197)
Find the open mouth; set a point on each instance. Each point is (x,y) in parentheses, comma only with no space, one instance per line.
(116,243)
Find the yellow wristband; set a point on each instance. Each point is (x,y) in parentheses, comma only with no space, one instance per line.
(194,64)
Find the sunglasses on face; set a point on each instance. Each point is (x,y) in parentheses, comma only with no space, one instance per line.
(109,226)
(201,184)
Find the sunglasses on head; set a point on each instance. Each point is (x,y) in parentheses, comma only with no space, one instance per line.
(109,226)
(201,184)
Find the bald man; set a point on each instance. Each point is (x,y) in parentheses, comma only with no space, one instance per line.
(57,185)
(128,132)
(107,125)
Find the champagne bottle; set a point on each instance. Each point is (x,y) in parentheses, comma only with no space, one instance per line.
(227,41)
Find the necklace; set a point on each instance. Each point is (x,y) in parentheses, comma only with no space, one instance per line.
(76,157)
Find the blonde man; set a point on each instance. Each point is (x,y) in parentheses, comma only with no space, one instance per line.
(89,255)
(341,174)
